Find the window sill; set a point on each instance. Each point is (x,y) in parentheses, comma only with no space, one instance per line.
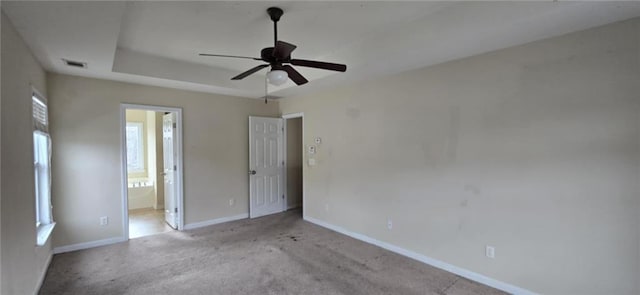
(44,233)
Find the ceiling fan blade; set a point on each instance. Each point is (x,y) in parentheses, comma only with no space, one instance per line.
(234,56)
(283,50)
(249,72)
(294,75)
(319,65)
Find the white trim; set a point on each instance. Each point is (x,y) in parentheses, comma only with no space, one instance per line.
(216,221)
(44,233)
(284,164)
(123,164)
(43,274)
(124,185)
(249,138)
(293,115)
(87,245)
(425,259)
(286,188)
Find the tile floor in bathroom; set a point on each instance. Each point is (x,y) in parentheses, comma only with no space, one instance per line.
(147,221)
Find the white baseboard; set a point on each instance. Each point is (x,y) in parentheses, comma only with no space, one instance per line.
(215,221)
(425,259)
(43,274)
(110,241)
(88,245)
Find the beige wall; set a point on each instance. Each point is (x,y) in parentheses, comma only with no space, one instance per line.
(294,162)
(87,134)
(23,264)
(534,150)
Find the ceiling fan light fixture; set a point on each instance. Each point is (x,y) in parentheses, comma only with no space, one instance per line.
(277,77)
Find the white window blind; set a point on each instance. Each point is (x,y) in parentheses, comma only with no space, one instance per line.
(41,163)
(135,147)
(40,115)
(42,170)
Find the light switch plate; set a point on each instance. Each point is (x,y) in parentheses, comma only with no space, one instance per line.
(490,252)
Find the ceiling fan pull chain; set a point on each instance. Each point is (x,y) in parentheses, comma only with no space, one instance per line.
(265,89)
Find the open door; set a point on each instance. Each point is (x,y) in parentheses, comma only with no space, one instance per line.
(169,172)
(266,166)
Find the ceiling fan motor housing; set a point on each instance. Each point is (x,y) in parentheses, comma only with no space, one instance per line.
(267,55)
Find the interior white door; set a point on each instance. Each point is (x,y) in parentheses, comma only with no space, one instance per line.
(169,169)
(266,166)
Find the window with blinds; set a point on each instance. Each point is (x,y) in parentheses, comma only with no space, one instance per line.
(135,147)
(42,170)
(40,116)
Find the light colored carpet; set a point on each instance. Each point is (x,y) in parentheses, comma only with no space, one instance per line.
(277,254)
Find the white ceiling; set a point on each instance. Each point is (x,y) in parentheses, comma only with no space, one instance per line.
(157,43)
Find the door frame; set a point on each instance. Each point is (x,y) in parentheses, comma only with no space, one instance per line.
(123,162)
(286,191)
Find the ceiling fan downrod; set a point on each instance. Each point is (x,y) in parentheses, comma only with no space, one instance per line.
(275,13)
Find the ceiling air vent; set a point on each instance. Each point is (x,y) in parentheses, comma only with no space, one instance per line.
(73,63)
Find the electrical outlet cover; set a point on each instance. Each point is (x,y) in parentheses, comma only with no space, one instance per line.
(490,252)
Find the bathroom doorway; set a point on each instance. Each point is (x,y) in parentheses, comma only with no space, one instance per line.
(152,162)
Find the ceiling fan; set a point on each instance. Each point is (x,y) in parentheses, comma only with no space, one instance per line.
(279,56)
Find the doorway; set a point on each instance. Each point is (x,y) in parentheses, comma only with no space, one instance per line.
(152,170)
(294,161)
(276,177)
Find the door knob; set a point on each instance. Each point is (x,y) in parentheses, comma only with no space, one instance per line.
(252,172)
